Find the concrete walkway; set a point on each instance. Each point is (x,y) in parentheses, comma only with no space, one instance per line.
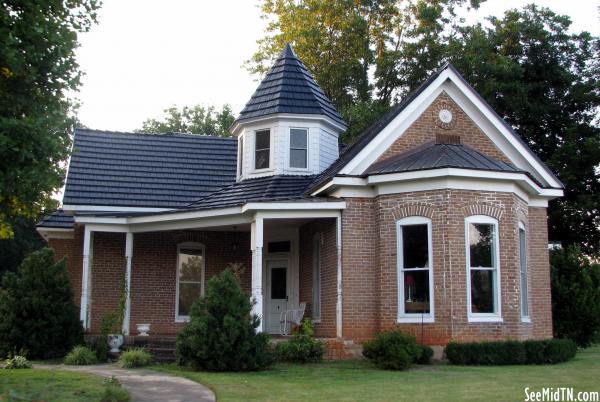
(146,385)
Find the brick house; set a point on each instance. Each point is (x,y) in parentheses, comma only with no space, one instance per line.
(434,220)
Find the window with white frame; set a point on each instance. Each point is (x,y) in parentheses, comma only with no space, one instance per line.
(262,149)
(241,156)
(190,276)
(415,270)
(483,283)
(523,271)
(316,295)
(299,148)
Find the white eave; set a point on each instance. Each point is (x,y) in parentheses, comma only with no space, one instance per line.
(328,121)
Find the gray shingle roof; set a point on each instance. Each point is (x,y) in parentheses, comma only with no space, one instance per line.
(435,156)
(270,188)
(57,220)
(288,87)
(146,170)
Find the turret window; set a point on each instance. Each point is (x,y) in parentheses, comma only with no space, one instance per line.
(262,149)
(298,148)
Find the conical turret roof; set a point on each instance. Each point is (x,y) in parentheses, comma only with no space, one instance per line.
(288,87)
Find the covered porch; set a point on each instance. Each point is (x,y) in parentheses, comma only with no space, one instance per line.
(282,257)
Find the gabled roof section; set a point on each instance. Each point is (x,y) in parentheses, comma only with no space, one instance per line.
(374,140)
(270,188)
(57,220)
(436,156)
(288,87)
(146,170)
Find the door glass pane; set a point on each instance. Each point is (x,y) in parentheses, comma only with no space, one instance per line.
(415,246)
(298,138)
(481,238)
(190,265)
(416,291)
(482,291)
(188,294)
(298,158)
(278,283)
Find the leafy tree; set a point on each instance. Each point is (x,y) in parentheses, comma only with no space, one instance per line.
(575,296)
(37,310)
(24,241)
(37,68)
(196,119)
(221,334)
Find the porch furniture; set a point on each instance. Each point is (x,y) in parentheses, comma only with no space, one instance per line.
(290,317)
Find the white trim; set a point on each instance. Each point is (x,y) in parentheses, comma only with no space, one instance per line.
(339,283)
(256,243)
(55,233)
(402,316)
(86,278)
(106,208)
(496,316)
(286,116)
(270,166)
(128,257)
(524,317)
(188,246)
(294,206)
(240,161)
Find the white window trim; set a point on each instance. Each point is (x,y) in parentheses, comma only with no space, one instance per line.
(414,317)
(241,147)
(524,318)
(271,167)
(188,246)
(484,317)
(289,150)
(317,246)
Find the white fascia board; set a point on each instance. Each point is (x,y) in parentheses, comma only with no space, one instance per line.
(55,233)
(238,126)
(90,220)
(341,181)
(201,223)
(294,206)
(106,208)
(382,141)
(306,214)
(185,215)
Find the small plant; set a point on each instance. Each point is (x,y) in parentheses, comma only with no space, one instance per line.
(136,357)
(114,392)
(303,347)
(425,354)
(17,362)
(99,346)
(393,350)
(81,356)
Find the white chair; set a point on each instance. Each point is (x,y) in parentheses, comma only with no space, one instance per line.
(289,317)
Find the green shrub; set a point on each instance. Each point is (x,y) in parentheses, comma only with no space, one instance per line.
(136,357)
(221,334)
(114,392)
(575,296)
(393,350)
(425,354)
(42,293)
(511,352)
(17,362)
(99,344)
(81,356)
(302,348)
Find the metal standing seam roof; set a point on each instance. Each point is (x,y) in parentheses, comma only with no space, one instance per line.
(436,156)
(261,189)
(57,220)
(288,87)
(147,170)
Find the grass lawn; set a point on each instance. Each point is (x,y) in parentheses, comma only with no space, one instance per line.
(359,381)
(49,386)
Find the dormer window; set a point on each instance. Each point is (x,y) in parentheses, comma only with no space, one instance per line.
(298,148)
(262,149)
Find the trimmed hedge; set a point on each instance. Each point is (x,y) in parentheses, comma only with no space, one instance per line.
(393,350)
(549,351)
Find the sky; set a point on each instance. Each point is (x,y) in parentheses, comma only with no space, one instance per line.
(146,55)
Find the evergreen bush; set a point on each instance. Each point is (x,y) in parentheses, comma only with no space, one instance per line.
(425,354)
(302,348)
(37,310)
(392,350)
(221,334)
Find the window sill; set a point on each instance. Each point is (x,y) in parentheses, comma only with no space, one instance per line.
(407,319)
(266,170)
(179,320)
(485,318)
(316,321)
(526,320)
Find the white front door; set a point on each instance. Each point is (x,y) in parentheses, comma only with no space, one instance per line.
(277,293)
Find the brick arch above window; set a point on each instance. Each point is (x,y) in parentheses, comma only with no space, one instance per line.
(481,208)
(413,209)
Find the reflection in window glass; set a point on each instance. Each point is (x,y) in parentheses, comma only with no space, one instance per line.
(483,271)
(298,147)
(190,272)
(415,267)
(262,149)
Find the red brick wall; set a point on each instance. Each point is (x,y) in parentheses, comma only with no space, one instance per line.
(326,328)
(540,303)
(424,129)
(72,249)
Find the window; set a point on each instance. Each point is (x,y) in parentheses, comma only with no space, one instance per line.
(190,277)
(483,284)
(523,266)
(279,246)
(298,148)
(415,270)
(262,149)
(241,157)
(316,295)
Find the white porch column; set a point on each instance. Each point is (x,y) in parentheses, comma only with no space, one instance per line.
(256,235)
(128,257)
(338,306)
(86,278)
